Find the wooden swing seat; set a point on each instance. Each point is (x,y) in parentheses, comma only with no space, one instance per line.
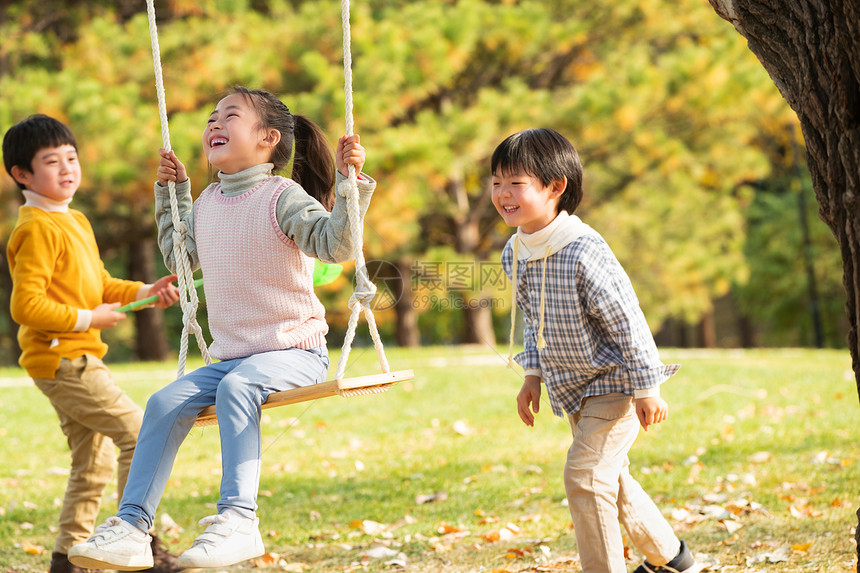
(357,386)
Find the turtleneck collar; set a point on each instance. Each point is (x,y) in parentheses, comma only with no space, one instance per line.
(235,184)
(33,199)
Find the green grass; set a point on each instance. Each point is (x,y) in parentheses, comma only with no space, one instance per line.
(745,428)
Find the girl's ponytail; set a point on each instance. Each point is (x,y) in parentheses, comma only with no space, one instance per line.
(313,163)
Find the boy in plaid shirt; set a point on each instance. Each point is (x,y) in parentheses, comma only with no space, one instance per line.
(586,339)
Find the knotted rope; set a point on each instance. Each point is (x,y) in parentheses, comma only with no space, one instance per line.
(364,289)
(187,293)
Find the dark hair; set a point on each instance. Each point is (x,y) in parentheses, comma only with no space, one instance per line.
(313,163)
(28,136)
(545,154)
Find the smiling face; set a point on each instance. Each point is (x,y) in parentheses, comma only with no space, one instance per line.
(56,173)
(233,139)
(524,202)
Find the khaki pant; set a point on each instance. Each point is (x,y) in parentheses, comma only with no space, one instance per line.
(95,415)
(601,492)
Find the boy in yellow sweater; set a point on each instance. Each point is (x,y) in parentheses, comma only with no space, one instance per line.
(62,297)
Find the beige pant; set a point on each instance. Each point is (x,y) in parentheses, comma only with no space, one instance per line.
(601,492)
(95,415)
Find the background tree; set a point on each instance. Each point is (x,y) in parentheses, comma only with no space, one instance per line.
(648,92)
(811,50)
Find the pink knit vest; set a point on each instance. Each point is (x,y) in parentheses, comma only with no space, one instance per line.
(258,284)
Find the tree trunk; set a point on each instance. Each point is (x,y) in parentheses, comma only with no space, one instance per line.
(151,340)
(10,336)
(811,49)
(746,332)
(708,330)
(408,333)
(478,314)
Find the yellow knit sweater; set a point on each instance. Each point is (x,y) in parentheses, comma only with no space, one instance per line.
(56,270)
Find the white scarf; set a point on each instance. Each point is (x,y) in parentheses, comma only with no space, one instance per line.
(562,231)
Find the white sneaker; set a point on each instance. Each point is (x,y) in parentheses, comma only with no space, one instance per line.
(230,538)
(115,544)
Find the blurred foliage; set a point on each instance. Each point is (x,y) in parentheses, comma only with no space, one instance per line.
(663,100)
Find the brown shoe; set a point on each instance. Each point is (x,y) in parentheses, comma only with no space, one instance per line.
(163,560)
(60,564)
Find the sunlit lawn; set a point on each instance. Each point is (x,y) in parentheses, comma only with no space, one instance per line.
(757,468)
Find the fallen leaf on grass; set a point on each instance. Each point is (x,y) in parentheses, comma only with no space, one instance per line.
(398,562)
(776,556)
(498,468)
(803,511)
(533,517)
(380,552)
(369,526)
(445,528)
(32,549)
(731,540)
(760,457)
(168,527)
(802,547)
(824,458)
(431,498)
(265,560)
(517,553)
(731,525)
(565,563)
(507,532)
(295,567)
(462,428)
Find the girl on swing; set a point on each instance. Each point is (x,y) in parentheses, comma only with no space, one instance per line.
(253,234)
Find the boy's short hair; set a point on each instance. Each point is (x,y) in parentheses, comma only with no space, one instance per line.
(545,154)
(28,136)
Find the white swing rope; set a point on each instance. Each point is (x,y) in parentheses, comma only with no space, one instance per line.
(364,290)
(187,293)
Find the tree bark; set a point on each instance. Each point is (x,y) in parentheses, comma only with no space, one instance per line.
(408,333)
(151,340)
(811,49)
(707,330)
(477,314)
(10,336)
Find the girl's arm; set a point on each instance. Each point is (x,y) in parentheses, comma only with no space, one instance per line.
(171,169)
(318,233)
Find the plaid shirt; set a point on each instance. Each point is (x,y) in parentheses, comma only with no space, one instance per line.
(597,339)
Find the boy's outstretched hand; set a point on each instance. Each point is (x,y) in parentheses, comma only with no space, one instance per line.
(104,316)
(165,290)
(529,396)
(170,168)
(349,152)
(652,410)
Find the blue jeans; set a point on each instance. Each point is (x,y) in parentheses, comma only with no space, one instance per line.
(238,388)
